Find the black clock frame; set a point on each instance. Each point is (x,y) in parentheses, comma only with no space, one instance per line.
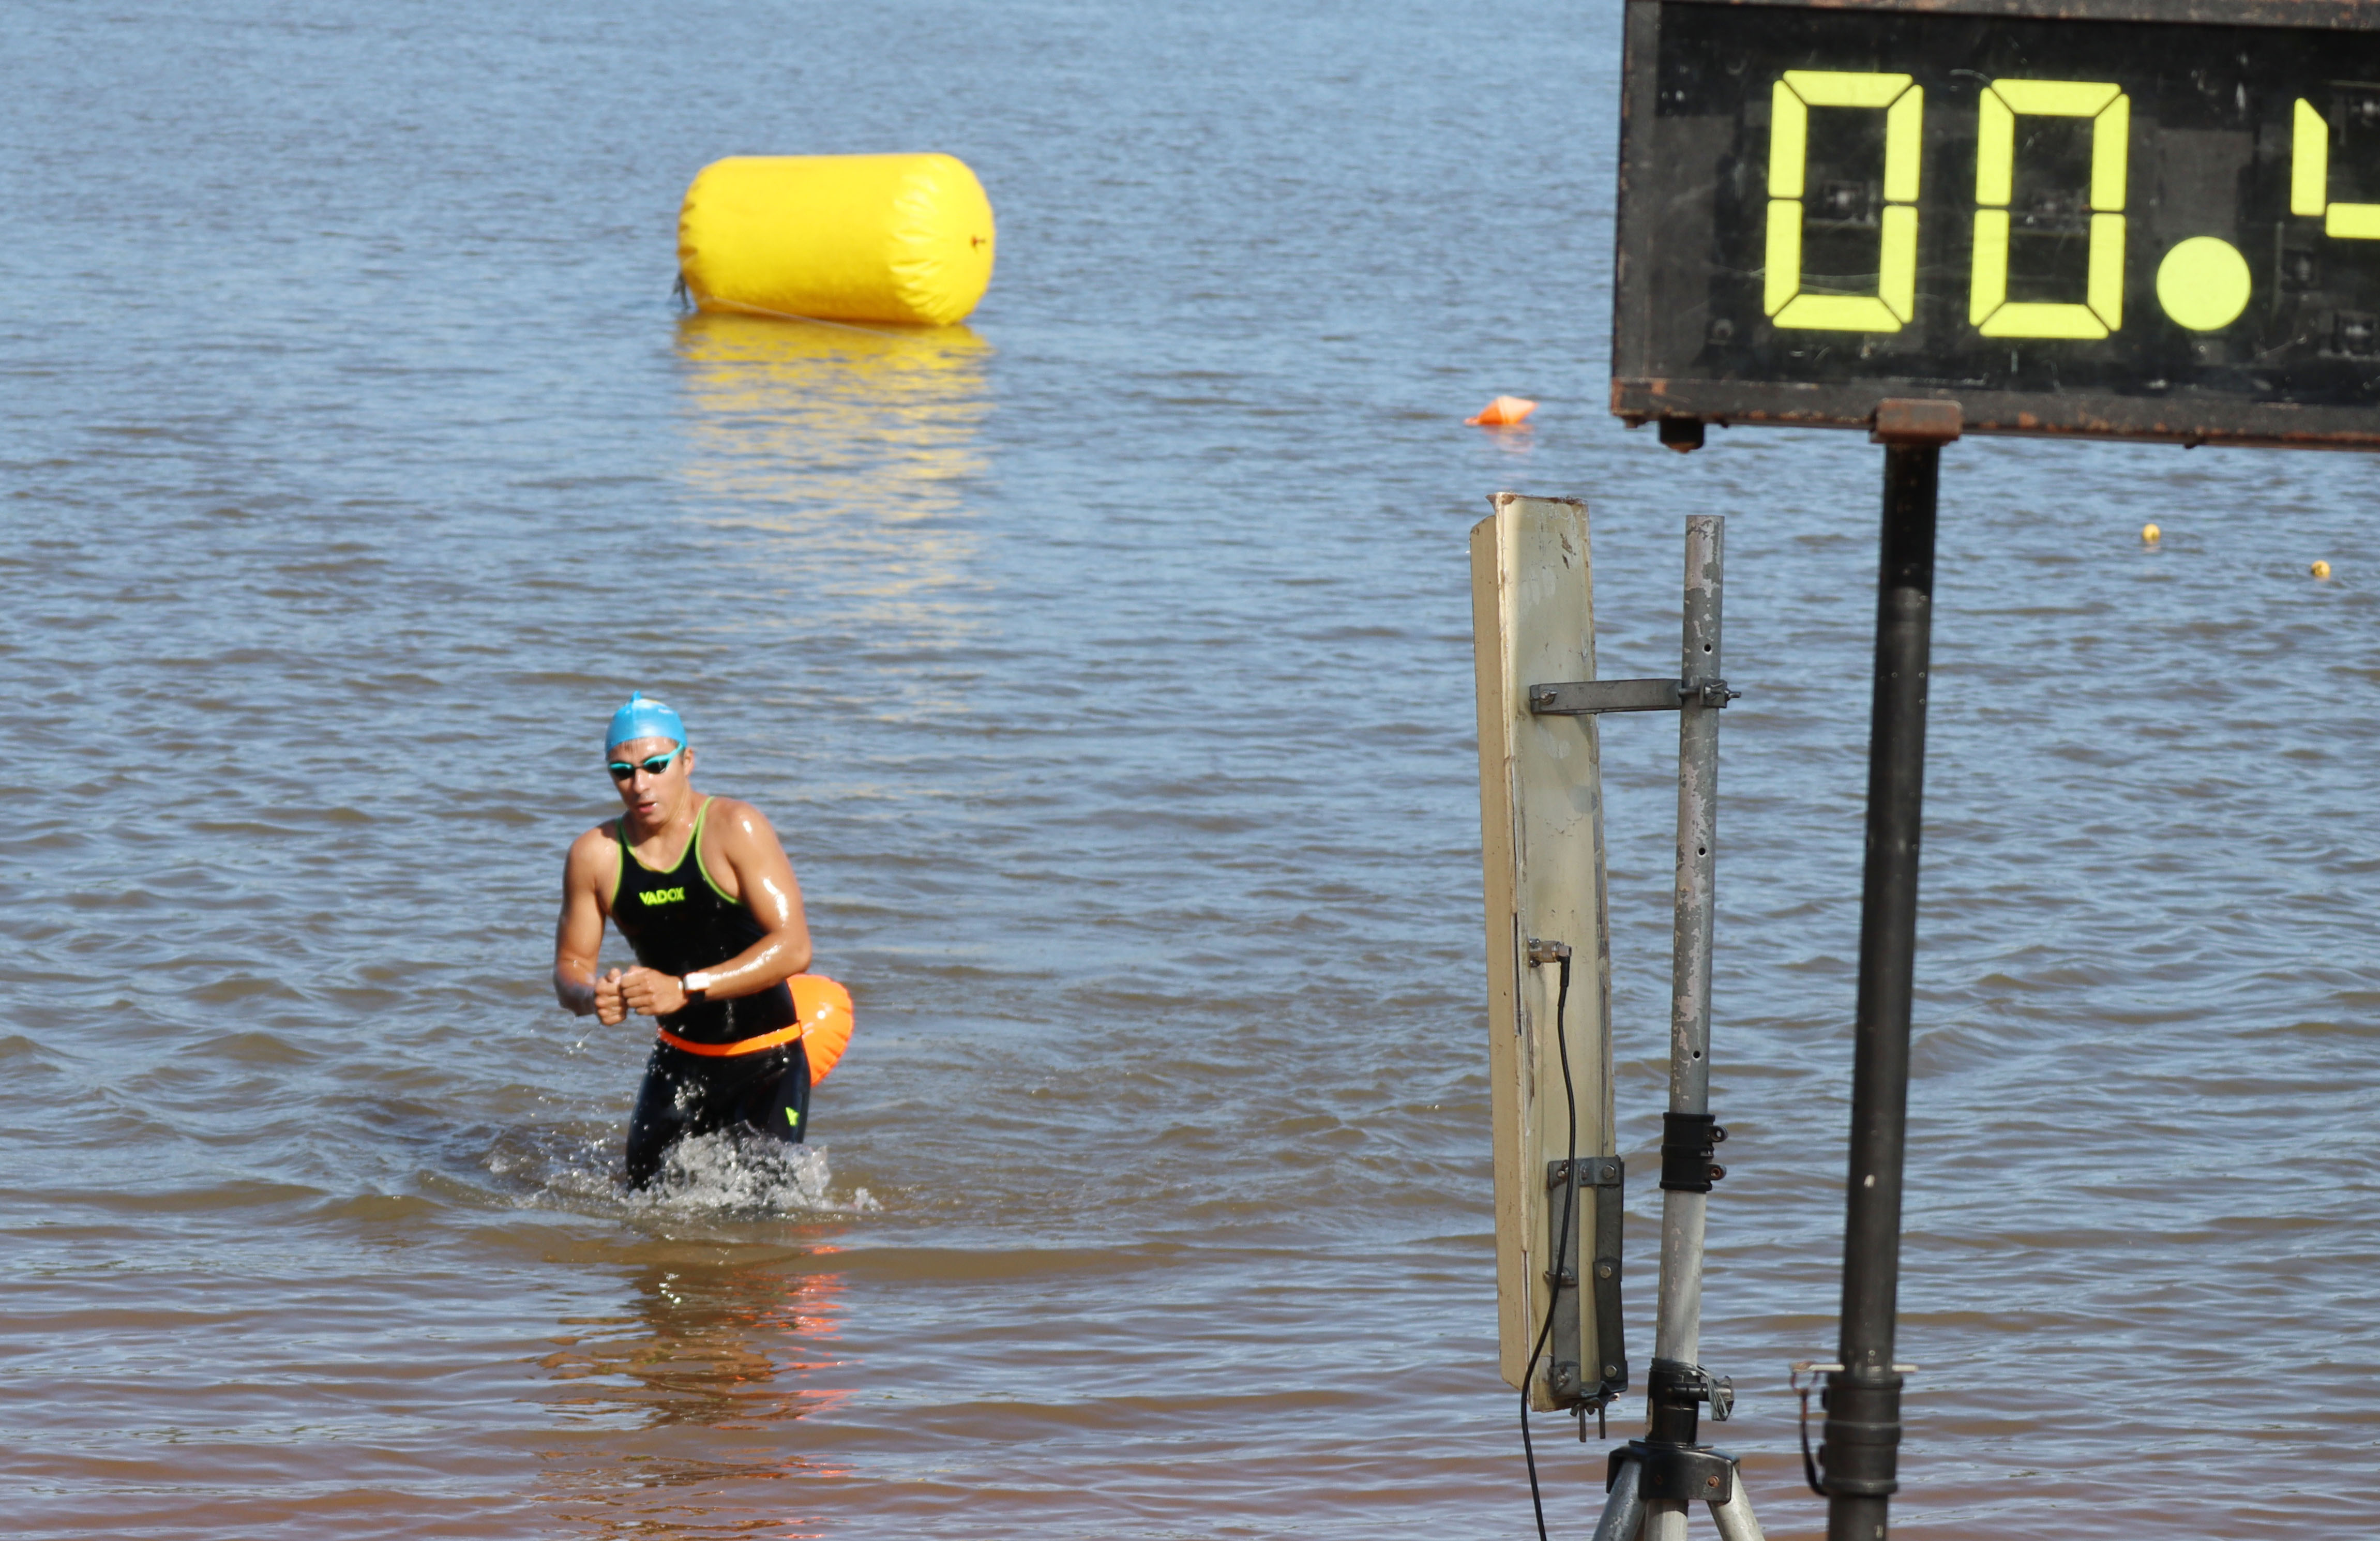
(1645,386)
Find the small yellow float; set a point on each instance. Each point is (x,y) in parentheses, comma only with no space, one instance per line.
(899,238)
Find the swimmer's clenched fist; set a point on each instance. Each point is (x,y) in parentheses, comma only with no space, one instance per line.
(610,1002)
(701,890)
(638,989)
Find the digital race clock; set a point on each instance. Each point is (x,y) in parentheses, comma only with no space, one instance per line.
(2153,219)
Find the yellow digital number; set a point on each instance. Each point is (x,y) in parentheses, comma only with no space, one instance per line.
(1988,306)
(2310,182)
(1903,105)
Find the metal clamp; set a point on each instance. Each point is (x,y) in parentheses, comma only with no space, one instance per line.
(1687,1142)
(1675,1387)
(1676,1472)
(1592,698)
(1813,1369)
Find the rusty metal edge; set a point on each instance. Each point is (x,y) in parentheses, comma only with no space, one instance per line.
(1921,420)
(2076,416)
(2350,16)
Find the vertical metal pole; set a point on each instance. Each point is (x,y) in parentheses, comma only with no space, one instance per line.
(1862,1432)
(1677,1333)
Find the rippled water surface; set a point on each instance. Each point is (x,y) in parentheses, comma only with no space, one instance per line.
(1106,666)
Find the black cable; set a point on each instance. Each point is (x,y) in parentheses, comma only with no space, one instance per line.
(1562,1245)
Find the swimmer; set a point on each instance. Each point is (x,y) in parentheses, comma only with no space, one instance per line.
(702,892)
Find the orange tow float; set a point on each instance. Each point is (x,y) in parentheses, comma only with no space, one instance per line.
(822,1020)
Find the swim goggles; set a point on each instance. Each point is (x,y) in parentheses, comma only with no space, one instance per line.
(622,770)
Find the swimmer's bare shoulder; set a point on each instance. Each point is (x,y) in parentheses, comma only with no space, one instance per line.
(596,857)
(749,862)
(593,864)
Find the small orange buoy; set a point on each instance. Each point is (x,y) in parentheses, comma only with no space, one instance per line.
(2320,568)
(1503,412)
(2150,534)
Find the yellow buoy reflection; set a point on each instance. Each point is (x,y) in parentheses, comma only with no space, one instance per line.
(807,412)
(856,444)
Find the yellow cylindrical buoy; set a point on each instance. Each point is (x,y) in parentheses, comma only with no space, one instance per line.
(901,238)
(2151,535)
(2320,568)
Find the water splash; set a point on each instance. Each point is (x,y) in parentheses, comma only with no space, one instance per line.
(725,1173)
(734,1173)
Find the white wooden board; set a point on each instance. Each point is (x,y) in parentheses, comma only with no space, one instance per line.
(1541,835)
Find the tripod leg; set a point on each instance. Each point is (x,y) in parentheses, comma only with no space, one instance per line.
(1624,1511)
(1734,1519)
(1665,1519)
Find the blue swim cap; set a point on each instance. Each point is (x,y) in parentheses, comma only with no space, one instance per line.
(640,717)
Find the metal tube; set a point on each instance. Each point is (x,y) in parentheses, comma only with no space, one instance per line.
(1863,1399)
(1734,1518)
(1677,1330)
(1624,1510)
(1698,663)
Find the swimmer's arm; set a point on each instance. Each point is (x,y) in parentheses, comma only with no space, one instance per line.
(578,935)
(740,839)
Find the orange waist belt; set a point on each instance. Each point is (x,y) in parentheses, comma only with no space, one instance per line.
(822,1020)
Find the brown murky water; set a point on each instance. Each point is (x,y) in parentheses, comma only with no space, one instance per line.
(1107,667)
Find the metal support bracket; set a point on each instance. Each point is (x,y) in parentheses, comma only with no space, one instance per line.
(1591,698)
(1596,1186)
(1565,1218)
(1676,1473)
(1610,1175)
(1902,420)
(1675,1465)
